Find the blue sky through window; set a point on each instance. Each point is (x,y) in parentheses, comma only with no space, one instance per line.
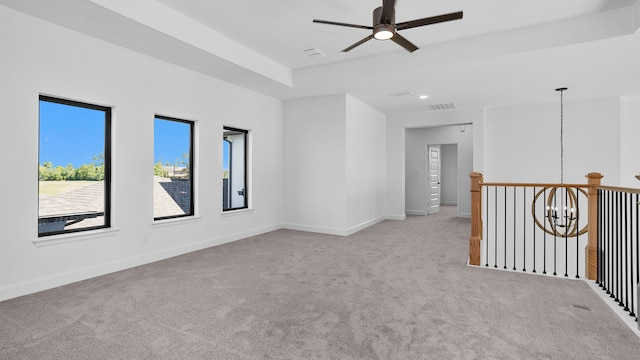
(70,134)
(171,141)
(225,155)
(74,135)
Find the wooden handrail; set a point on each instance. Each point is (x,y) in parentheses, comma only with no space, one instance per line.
(593,185)
(620,189)
(540,185)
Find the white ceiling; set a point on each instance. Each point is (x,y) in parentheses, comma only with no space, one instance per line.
(502,52)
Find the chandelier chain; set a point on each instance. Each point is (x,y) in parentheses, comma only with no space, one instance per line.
(561,90)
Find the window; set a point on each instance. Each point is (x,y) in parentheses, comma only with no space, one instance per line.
(74,166)
(234,169)
(173,168)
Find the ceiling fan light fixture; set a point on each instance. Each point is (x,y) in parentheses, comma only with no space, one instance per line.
(384,25)
(383,32)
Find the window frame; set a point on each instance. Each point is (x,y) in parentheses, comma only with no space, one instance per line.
(246,167)
(108,118)
(191,168)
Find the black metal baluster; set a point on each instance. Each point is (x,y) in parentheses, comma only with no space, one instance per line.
(566,231)
(599,245)
(577,217)
(605,246)
(606,241)
(514,228)
(631,267)
(618,231)
(524,228)
(495,232)
(611,245)
(626,253)
(534,231)
(544,253)
(637,246)
(555,234)
(505,228)
(614,246)
(486,228)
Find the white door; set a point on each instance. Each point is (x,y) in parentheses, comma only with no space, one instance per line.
(433,179)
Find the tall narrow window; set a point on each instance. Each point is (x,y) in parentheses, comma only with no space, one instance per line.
(173,168)
(234,169)
(74,166)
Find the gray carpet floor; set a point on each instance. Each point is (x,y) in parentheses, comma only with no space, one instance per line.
(397,290)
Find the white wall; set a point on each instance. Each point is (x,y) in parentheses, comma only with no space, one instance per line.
(396,151)
(449,174)
(629,141)
(41,58)
(315,164)
(522,143)
(416,143)
(366,165)
(334,156)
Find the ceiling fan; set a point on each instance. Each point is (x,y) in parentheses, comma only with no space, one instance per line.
(385,27)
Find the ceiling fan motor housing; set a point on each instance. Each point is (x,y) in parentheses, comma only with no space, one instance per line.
(378,20)
(383,25)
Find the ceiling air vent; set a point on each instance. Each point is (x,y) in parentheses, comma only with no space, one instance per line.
(400,93)
(315,53)
(449,106)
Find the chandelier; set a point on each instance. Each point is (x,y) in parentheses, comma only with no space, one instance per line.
(561,203)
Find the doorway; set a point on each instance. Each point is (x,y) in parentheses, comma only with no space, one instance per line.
(456,161)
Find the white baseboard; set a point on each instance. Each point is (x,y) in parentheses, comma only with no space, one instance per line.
(623,315)
(315,229)
(396,217)
(333,231)
(416,212)
(364,225)
(464,215)
(49,282)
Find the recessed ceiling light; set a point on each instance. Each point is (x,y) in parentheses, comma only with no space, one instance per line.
(423,97)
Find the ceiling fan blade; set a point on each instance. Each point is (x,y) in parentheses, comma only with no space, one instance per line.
(388,11)
(406,44)
(359,43)
(429,20)
(342,24)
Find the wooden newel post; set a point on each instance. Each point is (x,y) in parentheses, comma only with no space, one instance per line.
(591,251)
(476,219)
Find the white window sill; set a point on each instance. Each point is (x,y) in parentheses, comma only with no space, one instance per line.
(75,236)
(237,212)
(175,221)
